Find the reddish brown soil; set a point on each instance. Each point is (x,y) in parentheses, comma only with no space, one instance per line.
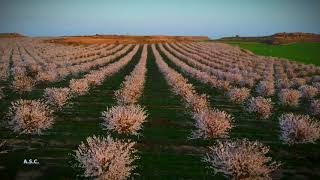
(287,38)
(115,39)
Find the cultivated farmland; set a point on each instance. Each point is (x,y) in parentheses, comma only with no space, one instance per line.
(177,110)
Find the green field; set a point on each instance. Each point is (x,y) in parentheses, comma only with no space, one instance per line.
(308,53)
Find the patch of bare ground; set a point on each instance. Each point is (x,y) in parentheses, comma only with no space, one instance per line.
(288,38)
(122,39)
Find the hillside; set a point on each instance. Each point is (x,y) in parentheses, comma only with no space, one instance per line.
(10,35)
(303,52)
(125,39)
(278,38)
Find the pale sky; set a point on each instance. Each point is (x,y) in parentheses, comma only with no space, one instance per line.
(213,18)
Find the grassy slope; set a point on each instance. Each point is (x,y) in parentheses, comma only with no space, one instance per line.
(308,53)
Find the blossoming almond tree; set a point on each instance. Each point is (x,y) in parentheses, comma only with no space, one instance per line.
(54,73)
(238,95)
(315,107)
(212,124)
(79,86)
(23,83)
(298,129)
(95,77)
(289,97)
(259,105)
(124,119)
(57,96)
(198,74)
(265,88)
(127,117)
(308,92)
(106,158)
(30,117)
(131,89)
(209,123)
(180,85)
(241,159)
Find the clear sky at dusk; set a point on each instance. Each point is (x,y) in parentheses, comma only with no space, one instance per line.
(214,18)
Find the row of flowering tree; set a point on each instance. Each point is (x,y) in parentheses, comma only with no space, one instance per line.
(113,158)
(294,128)
(189,58)
(34,116)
